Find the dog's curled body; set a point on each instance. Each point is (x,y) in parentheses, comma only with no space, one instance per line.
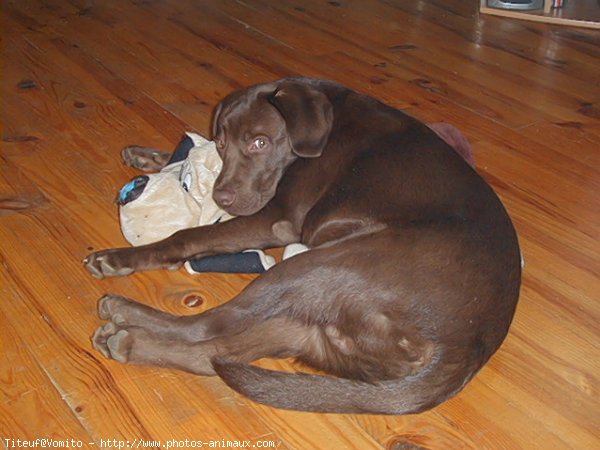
(411,282)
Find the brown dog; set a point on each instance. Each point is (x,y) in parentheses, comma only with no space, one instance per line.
(409,288)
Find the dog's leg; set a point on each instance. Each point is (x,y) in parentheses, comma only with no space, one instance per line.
(258,300)
(262,230)
(146,346)
(146,159)
(228,318)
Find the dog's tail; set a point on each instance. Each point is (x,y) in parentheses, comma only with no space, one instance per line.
(318,393)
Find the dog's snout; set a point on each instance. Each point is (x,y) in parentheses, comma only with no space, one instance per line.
(133,189)
(224,197)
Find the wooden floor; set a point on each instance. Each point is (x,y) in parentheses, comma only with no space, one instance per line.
(81,79)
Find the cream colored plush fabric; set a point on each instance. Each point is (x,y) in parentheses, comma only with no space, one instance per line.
(177,197)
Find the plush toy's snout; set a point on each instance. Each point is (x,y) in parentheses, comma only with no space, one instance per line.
(133,189)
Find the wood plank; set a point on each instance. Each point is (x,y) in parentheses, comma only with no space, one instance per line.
(30,405)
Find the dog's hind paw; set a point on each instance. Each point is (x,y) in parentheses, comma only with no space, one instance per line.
(125,345)
(119,345)
(101,336)
(113,342)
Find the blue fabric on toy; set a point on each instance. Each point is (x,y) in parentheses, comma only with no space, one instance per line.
(133,189)
(245,262)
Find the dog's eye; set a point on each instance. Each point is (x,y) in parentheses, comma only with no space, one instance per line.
(259,144)
(186,183)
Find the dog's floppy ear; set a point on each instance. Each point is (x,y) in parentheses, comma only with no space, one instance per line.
(215,119)
(308,116)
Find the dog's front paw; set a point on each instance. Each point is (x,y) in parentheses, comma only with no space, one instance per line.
(109,263)
(145,159)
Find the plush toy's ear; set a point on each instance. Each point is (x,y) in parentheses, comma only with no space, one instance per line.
(182,150)
(308,116)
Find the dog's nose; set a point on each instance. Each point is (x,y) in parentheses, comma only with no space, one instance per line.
(133,189)
(224,197)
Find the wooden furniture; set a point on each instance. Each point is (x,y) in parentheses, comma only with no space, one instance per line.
(80,80)
(580,13)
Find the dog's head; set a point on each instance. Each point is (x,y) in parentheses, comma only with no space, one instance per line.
(259,132)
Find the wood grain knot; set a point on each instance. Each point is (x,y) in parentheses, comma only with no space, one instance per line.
(26,85)
(193,301)
(589,110)
(405,442)
(577,125)
(402,47)
(428,85)
(84,11)
(17,204)
(17,138)
(377,80)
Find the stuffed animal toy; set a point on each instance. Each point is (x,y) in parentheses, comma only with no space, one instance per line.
(154,206)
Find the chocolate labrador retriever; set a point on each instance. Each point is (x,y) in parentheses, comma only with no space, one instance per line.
(410,285)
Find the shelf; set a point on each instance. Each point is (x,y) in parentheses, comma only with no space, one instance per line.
(580,13)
